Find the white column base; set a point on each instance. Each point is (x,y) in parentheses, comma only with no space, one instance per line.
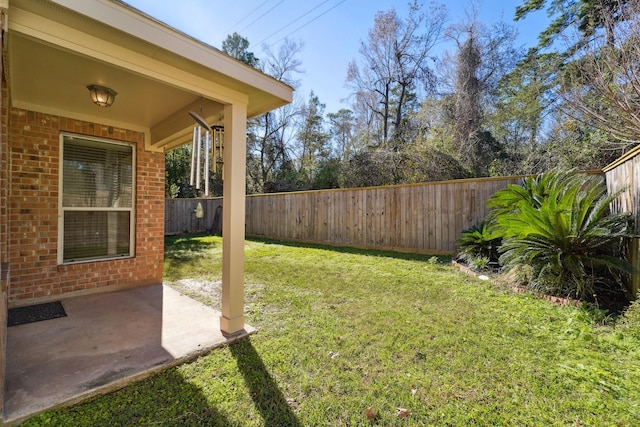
(231,326)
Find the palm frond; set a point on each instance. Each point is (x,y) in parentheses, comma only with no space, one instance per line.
(559,224)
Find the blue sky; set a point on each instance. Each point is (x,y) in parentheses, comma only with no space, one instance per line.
(331,30)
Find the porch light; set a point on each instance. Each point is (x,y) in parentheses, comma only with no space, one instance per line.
(101,95)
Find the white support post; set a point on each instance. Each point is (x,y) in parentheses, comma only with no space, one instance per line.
(233,205)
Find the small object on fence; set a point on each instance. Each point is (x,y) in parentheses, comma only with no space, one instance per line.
(199,211)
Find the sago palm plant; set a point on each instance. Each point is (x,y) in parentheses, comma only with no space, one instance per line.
(533,191)
(479,243)
(567,237)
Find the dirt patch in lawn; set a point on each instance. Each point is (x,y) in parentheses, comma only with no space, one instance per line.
(209,292)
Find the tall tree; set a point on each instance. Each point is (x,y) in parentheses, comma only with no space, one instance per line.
(468,113)
(395,63)
(588,16)
(237,47)
(524,100)
(342,126)
(595,80)
(312,138)
(572,144)
(601,85)
(483,56)
(270,137)
(178,160)
(177,166)
(269,158)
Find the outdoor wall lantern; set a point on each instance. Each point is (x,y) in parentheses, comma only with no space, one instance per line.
(101,95)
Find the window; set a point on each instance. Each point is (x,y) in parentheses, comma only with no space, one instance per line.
(96,200)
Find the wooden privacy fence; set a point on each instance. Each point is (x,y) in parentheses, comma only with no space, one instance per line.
(180,216)
(624,173)
(423,218)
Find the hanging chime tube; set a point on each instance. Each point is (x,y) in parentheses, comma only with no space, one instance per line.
(198,158)
(207,142)
(214,144)
(221,148)
(193,157)
(219,142)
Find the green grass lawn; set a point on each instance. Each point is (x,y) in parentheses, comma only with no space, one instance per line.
(342,331)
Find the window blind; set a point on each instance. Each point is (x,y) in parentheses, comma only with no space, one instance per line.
(97,199)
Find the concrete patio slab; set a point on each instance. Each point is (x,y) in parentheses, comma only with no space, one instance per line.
(106,341)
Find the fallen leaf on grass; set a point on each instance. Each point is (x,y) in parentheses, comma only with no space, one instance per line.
(293,403)
(371,414)
(403,413)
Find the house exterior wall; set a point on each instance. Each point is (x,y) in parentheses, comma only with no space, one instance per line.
(4,238)
(35,276)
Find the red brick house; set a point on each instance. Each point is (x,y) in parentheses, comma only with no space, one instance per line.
(82,185)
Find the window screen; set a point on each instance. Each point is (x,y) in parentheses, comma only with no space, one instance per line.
(96,199)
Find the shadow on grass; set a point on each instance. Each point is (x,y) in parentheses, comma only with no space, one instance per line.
(165,399)
(192,242)
(445,259)
(265,393)
(181,251)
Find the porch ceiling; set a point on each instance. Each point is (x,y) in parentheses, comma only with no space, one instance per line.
(56,48)
(54,81)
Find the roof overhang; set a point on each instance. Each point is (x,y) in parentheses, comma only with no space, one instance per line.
(55,49)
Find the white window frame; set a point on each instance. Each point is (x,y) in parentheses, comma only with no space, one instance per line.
(62,209)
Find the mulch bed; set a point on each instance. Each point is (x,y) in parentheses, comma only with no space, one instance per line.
(615,304)
(499,279)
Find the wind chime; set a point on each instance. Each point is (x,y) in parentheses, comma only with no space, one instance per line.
(206,152)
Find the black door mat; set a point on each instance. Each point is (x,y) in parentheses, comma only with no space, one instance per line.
(35,313)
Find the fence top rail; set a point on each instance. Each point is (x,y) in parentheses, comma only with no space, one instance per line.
(416,184)
(635,151)
(390,186)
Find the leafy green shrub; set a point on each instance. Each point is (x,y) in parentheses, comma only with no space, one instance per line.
(479,247)
(630,322)
(480,263)
(532,192)
(560,226)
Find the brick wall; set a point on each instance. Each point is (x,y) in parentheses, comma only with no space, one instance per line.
(4,191)
(4,183)
(34,149)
